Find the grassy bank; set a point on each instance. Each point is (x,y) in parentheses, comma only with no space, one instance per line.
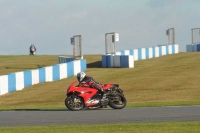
(170,80)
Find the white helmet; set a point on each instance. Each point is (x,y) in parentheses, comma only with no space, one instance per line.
(80,76)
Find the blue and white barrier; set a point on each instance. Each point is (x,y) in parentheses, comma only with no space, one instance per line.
(193,48)
(151,52)
(124,61)
(19,80)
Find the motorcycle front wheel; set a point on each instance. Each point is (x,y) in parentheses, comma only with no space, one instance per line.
(117,103)
(74,103)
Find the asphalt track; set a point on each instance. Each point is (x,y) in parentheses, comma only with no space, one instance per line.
(100,116)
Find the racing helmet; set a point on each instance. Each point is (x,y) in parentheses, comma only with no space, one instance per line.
(80,76)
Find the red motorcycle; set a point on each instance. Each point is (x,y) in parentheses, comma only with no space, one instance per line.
(79,97)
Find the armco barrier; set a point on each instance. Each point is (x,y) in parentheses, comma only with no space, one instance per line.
(19,80)
(151,52)
(123,61)
(193,48)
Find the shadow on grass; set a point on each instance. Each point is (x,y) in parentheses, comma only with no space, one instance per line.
(96,64)
(25,68)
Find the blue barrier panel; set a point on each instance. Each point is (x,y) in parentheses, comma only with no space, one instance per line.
(42,73)
(69,59)
(104,61)
(139,53)
(11,82)
(131,52)
(124,61)
(109,60)
(173,49)
(56,72)
(198,47)
(122,52)
(83,65)
(27,78)
(167,49)
(70,69)
(147,53)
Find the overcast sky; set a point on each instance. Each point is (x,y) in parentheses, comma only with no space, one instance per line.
(49,24)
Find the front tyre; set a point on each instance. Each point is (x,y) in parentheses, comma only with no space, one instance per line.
(74,103)
(117,103)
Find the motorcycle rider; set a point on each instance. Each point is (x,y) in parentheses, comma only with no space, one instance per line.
(83,80)
(32,46)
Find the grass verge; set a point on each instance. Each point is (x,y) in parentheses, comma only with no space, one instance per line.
(173,127)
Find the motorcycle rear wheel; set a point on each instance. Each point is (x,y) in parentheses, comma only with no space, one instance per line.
(119,103)
(74,103)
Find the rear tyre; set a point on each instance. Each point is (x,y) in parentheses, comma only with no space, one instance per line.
(117,103)
(74,103)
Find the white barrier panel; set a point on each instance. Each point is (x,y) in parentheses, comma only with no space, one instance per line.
(118,53)
(143,53)
(48,74)
(156,51)
(126,52)
(35,76)
(19,80)
(77,69)
(163,50)
(63,70)
(176,49)
(150,53)
(170,49)
(3,84)
(131,61)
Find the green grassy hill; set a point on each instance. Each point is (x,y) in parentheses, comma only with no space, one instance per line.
(164,81)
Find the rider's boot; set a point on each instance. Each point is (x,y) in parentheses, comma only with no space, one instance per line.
(103,96)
